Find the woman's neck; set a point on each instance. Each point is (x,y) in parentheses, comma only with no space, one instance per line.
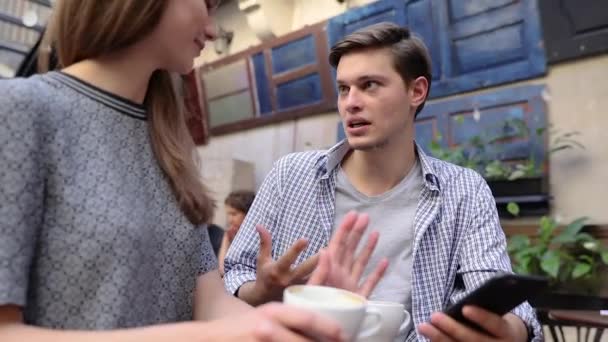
(125,74)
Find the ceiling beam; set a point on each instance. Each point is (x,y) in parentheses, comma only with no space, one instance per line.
(11,19)
(16,48)
(46,3)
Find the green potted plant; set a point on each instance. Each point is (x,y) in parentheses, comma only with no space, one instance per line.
(573,260)
(526,177)
(526,180)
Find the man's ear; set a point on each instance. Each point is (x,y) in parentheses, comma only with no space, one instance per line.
(419,90)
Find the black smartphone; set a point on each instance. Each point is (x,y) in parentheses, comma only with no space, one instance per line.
(499,295)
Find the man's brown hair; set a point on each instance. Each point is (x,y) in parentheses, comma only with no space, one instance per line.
(410,56)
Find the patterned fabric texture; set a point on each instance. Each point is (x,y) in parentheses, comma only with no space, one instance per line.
(90,234)
(458,240)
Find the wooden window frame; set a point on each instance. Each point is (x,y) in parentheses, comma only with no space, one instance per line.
(563,44)
(322,67)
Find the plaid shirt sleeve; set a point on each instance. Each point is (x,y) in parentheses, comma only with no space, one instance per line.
(241,259)
(484,254)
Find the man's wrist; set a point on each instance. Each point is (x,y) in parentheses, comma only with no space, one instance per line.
(250,293)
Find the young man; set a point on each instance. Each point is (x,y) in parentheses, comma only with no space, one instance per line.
(439,224)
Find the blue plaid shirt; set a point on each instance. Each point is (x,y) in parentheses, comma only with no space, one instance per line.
(458,242)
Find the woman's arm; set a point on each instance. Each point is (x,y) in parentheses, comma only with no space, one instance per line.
(270,323)
(13,330)
(212,301)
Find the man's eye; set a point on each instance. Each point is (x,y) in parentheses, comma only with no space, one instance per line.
(343,89)
(370,85)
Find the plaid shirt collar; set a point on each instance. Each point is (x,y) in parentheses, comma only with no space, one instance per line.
(329,160)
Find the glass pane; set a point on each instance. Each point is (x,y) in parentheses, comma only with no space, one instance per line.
(294,54)
(231,108)
(226,79)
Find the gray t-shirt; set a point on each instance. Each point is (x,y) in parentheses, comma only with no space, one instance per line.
(91,236)
(392,214)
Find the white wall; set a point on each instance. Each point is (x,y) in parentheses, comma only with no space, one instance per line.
(283,16)
(231,19)
(308,12)
(578,101)
(263,146)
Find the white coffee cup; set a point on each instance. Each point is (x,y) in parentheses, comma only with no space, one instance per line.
(346,308)
(395,321)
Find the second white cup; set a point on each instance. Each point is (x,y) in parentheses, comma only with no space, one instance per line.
(395,321)
(346,308)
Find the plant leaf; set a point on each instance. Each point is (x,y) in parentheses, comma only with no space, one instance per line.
(550,263)
(584,237)
(570,233)
(559,148)
(547,226)
(586,258)
(520,173)
(592,246)
(568,141)
(513,208)
(575,226)
(523,265)
(535,250)
(605,257)
(519,269)
(545,223)
(496,170)
(564,238)
(518,243)
(540,131)
(571,134)
(580,270)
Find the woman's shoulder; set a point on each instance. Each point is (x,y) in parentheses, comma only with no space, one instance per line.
(20,96)
(25,85)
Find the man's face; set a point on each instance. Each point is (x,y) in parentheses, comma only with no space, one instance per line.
(373,100)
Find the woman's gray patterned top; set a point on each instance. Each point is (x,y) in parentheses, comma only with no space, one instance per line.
(90,234)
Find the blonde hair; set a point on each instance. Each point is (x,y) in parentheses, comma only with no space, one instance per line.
(85,29)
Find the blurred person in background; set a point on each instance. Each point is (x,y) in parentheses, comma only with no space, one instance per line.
(236,205)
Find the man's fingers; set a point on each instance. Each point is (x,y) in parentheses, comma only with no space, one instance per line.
(311,324)
(455,330)
(265,244)
(352,242)
(337,244)
(304,269)
(286,260)
(364,255)
(372,280)
(432,333)
(319,276)
(270,331)
(489,321)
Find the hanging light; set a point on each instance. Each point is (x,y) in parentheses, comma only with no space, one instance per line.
(30,18)
(223,40)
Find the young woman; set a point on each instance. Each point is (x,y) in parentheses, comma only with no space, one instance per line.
(237,205)
(102,211)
